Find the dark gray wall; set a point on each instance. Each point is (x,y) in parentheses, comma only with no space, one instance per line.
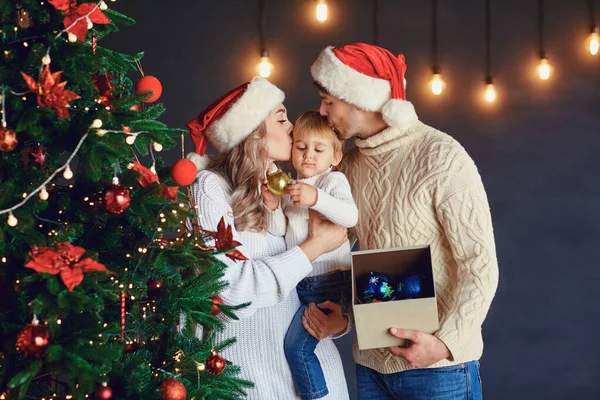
(537,148)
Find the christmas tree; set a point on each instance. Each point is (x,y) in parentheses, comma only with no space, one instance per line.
(102,286)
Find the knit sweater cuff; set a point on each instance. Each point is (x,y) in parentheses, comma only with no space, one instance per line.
(450,339)
(276,224)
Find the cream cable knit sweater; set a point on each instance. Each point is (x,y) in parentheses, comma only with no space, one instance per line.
(420,187)
(267,280)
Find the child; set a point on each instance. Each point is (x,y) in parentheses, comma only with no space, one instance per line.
(315,151)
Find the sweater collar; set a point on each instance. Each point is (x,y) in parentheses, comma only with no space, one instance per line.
(387,140)
(315,178)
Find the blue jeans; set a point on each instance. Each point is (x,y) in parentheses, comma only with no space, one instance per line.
(299,345)
(457,382)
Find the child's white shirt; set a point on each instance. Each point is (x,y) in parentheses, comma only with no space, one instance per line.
(334,202)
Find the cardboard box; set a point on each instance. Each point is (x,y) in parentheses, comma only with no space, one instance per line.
(373,320)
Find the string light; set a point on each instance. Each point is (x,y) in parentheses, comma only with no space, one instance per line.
(437,83)
(544,69)
(44,194)
(157,146)
(544,66)
(594,41)
(12,220)
(68,174)
(97,124)
(71,37)
(264,67)
(321,11)
(490,91)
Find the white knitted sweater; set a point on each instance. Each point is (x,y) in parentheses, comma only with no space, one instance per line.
(420,187)
(267,280)
(334,202)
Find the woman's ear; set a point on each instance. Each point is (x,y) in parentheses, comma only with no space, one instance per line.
(337,158)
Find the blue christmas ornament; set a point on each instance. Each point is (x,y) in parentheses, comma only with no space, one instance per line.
(411,286)
(375,287)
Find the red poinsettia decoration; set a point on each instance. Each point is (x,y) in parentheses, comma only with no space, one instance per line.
(38,155)
(147,177)
(77,17)
(105,87)
(224,240)
(64,259)
(51,92)
(170,192)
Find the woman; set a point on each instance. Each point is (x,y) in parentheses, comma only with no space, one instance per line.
(249,128)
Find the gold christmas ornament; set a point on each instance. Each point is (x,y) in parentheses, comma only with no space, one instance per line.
(278,181)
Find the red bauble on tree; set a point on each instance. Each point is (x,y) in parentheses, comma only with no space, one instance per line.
(215,364)
(215,308)
(33,340)
(172,389)
(117,198)
(104,392)
(149,84)
(184,172)
(8,139)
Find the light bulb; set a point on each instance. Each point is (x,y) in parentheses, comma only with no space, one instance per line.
(544,69)
(72,38)
(90,24)
(97,123)
(12,220)
(101,132)
(68,174)
(437,84)
(44,194)
(322,11)
(594,41)
(157,146)
(130,139)
(46,59)
(102,6)
(490,92)
(265,66)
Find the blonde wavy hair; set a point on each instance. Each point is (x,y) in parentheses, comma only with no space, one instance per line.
(245,167)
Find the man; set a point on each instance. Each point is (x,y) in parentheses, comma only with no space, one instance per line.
(413,185)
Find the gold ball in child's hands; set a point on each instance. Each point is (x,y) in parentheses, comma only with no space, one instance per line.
(277,182)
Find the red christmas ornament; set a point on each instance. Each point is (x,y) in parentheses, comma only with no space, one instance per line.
(117,198)
(51,91)
(63,259)
(33,340)
(137,107)
(8,139)
(184,172)
(215,308)
(172,389)
(149,84)
(215,364)
(104,392)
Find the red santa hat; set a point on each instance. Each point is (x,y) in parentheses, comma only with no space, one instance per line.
(368,77)
(232,118)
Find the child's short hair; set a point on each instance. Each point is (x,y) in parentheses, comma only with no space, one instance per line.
(313,123)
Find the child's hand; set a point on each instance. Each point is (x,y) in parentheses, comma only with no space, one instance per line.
(270,200)
(302,194)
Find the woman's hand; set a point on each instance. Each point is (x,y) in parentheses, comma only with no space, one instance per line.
(323,236)
(321,325)
(270,200)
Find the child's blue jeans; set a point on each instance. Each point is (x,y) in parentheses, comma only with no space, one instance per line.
(299,345)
